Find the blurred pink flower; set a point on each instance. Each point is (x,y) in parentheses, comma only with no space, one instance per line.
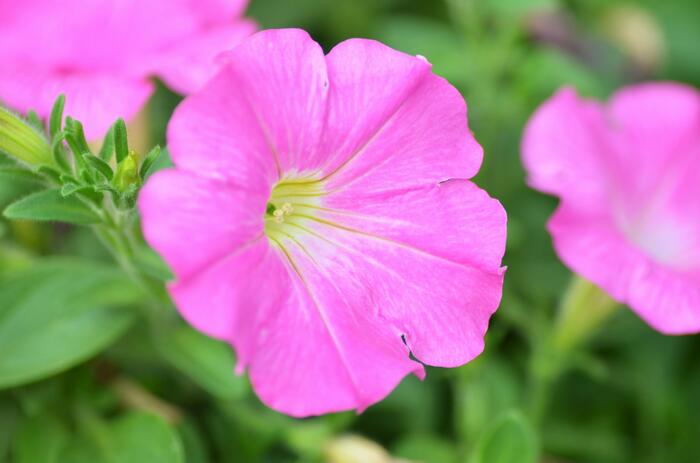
(320,212)
(101,53)
(628,177)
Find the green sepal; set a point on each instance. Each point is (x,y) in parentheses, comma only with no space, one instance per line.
(56,119)
(68,189)
(121,144)
(98,165)
(148,161)
(59,152)
(107,146)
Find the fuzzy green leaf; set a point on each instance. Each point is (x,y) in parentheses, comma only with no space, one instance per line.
(57,314)
(50,205)
(510,439)
(121,144)
(56,119)
(107,146)
(148,161)
(208,362)
(99,165)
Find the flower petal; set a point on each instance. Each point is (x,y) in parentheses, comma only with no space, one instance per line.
(304,358)
(252,118)
(440,306)
(454,220)
(193,221)
(97,100)
(187,65)
(592,246)
(390,117)
(564,146)
(282,75)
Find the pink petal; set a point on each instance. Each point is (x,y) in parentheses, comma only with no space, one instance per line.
(467,226)
(305,358)
(94,35)
(217,11)
(187,65)
(668,299)
(214,133)
(440,306)
(96,99)
(391,122)
(281,75)
(657,128)
(194,221)
(564,147)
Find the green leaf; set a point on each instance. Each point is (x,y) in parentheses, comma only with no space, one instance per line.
(99,165)
(50,205)
(9,418)
(425,447)
(150,263)
(148,161)
(145,437)
(34,119)
(121,144)
(433,39)
(68,189)
(16,182)
(56,119)
(208,362)
(59,152)
(40,439)
(510,439)
(134,437)
(58,313)
(76,136)
(107,146)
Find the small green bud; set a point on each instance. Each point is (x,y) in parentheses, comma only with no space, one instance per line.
(127,173)
(20,140)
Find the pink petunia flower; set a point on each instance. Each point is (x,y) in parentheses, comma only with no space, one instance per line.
(628,177)
(101,53)
(320,220)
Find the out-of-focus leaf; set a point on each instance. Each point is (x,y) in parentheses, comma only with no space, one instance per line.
(546,70)
(135,437)
(9,416)
(425,447)
(57,314)
(149,262)
(485,389)
(517,8)
(40,439)
(432,39)
(144,437)
(193,443)
(51,205)
(208,362)
(510,439)
(16,182)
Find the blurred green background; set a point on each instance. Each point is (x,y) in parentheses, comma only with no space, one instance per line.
(131,392)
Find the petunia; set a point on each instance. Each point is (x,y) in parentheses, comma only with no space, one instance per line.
(628,177)
(101,53)
(320,219)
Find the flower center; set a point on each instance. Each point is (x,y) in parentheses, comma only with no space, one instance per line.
(292,201)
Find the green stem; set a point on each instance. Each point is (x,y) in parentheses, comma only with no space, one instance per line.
(584,308)
(116,235)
